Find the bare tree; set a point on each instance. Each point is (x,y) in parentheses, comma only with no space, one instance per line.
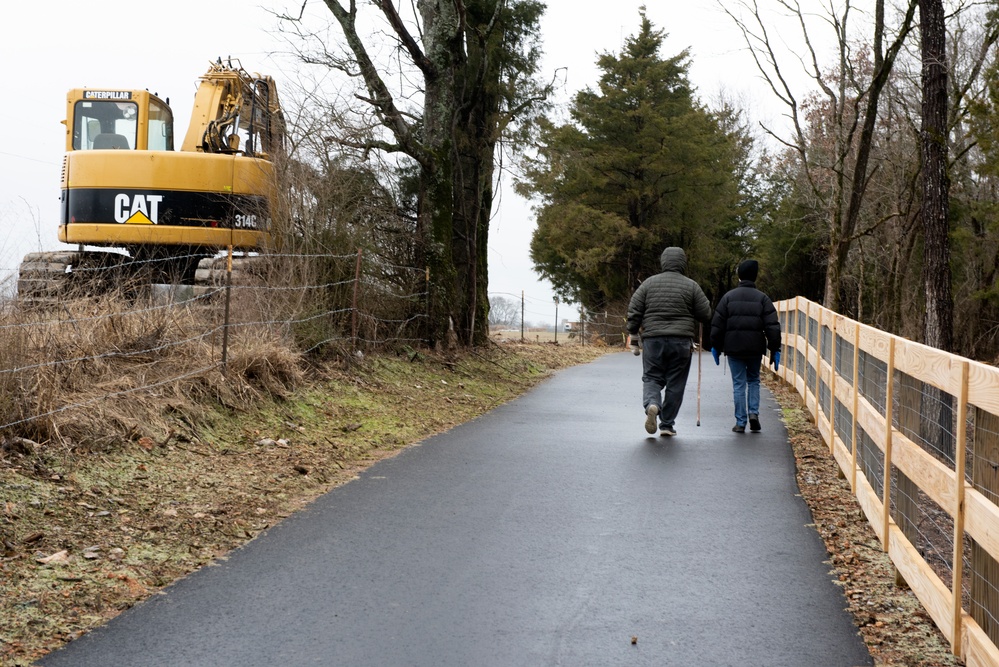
(464,70)
(503,311)
(839,175)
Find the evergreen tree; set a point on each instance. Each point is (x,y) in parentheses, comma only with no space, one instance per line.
(641,166)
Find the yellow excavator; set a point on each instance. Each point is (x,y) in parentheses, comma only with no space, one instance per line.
(125,187)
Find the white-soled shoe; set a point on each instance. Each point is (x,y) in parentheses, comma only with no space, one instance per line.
(651,413)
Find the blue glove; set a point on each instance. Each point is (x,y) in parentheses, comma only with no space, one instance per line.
(775,359)
(714,353)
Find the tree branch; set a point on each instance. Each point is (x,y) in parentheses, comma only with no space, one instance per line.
(381,99)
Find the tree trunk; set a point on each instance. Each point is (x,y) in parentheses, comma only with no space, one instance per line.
(435,217)
(938,326)
(476,132)
(838,251)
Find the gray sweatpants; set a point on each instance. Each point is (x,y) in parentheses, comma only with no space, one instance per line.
(665,366)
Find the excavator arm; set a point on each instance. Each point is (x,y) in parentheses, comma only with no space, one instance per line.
(235,112)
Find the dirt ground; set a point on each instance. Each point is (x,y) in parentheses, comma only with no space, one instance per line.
(87,533)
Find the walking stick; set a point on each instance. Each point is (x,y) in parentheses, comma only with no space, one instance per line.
(700,343)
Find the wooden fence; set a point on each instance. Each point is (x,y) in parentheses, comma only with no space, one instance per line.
(916,432)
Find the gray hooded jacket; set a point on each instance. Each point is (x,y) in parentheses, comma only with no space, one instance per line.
(668,303)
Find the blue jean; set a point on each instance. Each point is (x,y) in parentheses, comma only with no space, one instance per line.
(745,387)
(665,366)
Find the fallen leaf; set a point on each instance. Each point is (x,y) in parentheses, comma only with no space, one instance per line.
(57,557)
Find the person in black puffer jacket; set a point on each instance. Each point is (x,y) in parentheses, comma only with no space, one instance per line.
(665,310)
(745,325)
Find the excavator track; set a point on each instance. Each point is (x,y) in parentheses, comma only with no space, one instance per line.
(47,278)
(211,276)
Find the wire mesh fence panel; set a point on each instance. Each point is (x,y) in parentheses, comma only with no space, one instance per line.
(927,526)
(799,364)
(603,328)
(825,344)
(984,570)
(873,380)
(810,376)
(843,424)
(871,460)
(825,398)
(904,491)
(925,415)
(844,359)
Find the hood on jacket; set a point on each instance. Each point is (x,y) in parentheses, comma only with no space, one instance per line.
(674,259)
(748,270)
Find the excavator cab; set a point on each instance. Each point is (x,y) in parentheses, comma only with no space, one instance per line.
(117,120)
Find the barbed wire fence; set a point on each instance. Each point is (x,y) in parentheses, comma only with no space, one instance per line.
(68,361)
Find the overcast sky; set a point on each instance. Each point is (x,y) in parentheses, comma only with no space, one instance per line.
(50,47)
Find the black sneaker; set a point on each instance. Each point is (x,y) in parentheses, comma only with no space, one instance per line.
(651,413)
(739,429)
(668,431)
(754,423)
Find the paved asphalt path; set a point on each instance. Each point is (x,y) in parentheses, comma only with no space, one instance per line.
(548,532)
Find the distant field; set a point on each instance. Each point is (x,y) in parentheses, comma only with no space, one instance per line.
(536,336)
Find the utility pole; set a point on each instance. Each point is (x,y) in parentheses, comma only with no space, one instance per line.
(521,316)
(556,319)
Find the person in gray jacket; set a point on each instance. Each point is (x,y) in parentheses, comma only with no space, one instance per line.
(664,311)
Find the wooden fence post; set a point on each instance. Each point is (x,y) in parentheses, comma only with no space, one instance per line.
(225,326)
(856,399)
(832,389)
(353,314)
(960,447)
(818,365)
(889,398)
(794,352)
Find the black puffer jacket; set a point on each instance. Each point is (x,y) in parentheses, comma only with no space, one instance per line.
(745,323)
(668,303)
